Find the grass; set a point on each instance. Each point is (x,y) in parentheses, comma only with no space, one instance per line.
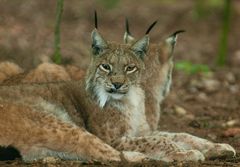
(191,68)
(57,56)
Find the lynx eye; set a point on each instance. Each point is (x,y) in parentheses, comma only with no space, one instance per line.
(105,67)
(130,69)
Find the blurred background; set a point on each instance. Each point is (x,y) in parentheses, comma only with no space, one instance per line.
(27,28)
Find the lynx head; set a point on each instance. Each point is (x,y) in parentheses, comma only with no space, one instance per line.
(115,69)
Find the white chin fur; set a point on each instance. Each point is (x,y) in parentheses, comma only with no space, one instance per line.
(116,96)
(104,96)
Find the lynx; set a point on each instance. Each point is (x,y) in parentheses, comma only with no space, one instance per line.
(8,70)
(108,113)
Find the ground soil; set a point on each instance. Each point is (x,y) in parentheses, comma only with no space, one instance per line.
(204,105)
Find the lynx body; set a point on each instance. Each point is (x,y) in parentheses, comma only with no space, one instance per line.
(115,109)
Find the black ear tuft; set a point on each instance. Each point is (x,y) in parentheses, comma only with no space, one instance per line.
(98,43)
(172,39)
(128,38)
(95,19)
(151,26)
(127,26)
(178,32)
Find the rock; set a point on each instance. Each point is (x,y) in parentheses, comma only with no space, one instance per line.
(230,77)
(230,123)
(190,116)
(211,85)
(234,89)
(202,96)
(180,111)
(212,136)
(192,89)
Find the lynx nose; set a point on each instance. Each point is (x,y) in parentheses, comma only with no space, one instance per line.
(117,85)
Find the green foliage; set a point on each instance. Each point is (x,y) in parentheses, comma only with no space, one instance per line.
(191,68)
(203,8)
(57,57)
(223,46)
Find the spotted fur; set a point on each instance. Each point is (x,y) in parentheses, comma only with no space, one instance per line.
(114,110)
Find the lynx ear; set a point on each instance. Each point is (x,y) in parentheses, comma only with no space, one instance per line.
(171,41)
(128,38)
(140,47)
(98,43)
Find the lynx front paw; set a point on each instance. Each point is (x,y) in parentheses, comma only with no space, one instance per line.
(220,151)
(190,155)
(132,156)
(50,160)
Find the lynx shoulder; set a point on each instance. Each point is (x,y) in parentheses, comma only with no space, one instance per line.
(9,69)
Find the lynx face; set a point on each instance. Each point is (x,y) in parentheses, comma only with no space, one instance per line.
(115,69)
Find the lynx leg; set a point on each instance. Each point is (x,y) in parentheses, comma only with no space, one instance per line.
(75,143)
(30,131)
(208,148)
(159,148)
(35,154)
